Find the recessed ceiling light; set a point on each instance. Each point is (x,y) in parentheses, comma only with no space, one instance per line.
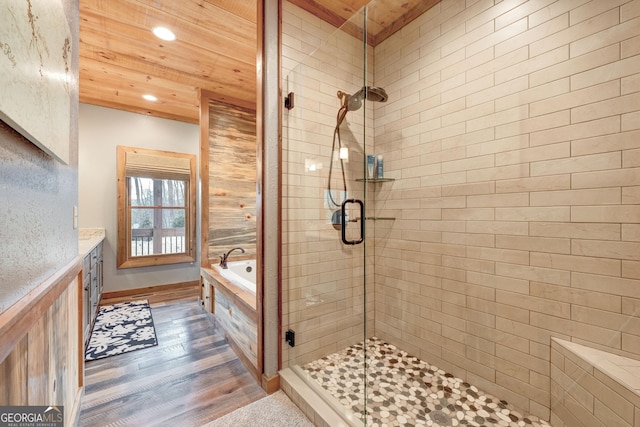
(150,97)
(164,33)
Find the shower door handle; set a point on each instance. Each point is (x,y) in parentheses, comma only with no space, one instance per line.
(343,211)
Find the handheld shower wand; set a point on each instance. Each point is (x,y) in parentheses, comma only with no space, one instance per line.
(348,103)
(342,113)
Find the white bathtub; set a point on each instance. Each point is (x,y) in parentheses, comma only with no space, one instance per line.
(241,273)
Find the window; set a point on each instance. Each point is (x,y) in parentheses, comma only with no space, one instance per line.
(156,207)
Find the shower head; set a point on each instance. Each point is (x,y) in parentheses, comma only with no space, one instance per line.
(371,93)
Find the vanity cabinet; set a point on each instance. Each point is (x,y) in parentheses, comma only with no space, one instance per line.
(92,285)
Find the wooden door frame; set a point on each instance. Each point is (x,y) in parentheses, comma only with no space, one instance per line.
(269,138)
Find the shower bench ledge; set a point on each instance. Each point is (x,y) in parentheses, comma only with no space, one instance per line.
(593,387)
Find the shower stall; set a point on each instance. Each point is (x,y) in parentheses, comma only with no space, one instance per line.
(338,214)
(340,169)
(416,295)
(342,293)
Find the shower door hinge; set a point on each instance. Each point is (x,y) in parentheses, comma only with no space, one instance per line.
(288,103)
(290,337)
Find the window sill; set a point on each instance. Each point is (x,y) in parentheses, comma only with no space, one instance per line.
(153,260)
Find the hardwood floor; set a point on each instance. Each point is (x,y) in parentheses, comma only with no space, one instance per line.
(189,379)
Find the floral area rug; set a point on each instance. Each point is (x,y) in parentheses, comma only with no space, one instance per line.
(120,328)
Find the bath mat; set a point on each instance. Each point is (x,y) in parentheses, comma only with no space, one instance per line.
(275,410)
(121,328)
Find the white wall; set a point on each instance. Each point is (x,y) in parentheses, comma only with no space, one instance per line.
(101,130)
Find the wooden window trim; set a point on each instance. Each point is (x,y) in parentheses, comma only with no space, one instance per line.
(124,258)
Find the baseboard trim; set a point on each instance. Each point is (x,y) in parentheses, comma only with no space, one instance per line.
(151,289)
(271,384)
(74,416)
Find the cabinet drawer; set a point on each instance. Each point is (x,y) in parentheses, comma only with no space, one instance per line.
(94,257)
(94,278)
(86,284)
(87,265)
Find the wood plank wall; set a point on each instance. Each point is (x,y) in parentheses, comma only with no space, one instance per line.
(237,324)
(235,316)
(42,346)
(232,178)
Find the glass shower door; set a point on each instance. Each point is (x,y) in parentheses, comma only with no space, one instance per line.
(324,203)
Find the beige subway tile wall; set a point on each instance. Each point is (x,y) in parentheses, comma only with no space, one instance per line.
(517,183)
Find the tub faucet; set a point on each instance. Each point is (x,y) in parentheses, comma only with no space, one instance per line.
(224,258)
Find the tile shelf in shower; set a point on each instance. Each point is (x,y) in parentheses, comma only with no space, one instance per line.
(380,218)
(375,179)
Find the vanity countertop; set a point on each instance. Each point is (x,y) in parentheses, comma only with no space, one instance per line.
(89,238)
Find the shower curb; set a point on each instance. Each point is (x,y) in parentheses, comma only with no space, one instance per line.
(311,404)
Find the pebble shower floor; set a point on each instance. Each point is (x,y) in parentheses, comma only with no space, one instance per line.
(406,391)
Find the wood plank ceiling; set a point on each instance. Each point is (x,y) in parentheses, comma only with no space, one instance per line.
(214,50)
